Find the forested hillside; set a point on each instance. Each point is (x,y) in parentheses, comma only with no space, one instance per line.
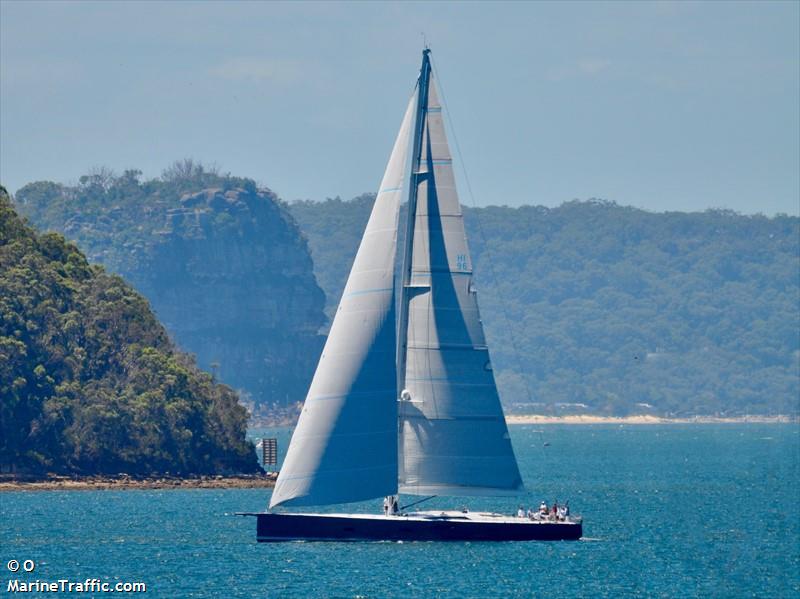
(595,307)
(89,380)
(221,262)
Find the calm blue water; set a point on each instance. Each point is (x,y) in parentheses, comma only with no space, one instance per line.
(671,511)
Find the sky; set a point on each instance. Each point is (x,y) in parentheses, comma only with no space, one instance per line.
(659,105)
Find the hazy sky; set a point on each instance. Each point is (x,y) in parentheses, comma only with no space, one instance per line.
(661,105)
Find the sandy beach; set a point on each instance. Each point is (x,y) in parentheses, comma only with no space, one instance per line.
(643,419)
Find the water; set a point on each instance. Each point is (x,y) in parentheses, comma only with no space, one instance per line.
(671,511)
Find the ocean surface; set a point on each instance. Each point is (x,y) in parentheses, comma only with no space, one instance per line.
(670,511)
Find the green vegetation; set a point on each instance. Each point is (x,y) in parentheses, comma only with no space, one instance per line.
(588,307)
(595,307)
(89,380)
(222,263)
(119,218)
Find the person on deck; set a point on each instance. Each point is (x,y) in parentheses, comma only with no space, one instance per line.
(521,512)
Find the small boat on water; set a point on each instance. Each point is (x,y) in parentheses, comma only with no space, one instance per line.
(404,398)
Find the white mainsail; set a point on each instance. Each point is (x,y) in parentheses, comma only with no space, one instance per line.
(344,447)
(453,434)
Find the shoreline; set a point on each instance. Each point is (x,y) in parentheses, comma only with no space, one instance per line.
(120,483)
(646,419)
(51,482)
(594,419)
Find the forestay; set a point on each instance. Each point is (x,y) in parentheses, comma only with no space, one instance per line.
(344,447)
(453,435)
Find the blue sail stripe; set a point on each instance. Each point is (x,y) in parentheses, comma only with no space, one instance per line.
(367,291)
(351,394)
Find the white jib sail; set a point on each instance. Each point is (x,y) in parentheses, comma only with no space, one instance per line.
(344,447)
(453,435)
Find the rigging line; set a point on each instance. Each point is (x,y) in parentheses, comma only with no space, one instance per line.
(408,505)
(514,345)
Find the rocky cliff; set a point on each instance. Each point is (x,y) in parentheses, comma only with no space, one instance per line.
(221,262)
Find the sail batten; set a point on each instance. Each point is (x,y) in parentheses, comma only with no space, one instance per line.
(458,491)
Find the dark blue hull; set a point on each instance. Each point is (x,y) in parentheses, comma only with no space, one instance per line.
(355,527)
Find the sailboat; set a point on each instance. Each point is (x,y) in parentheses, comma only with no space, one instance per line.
(404,399)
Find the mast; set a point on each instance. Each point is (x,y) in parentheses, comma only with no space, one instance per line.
(408,245)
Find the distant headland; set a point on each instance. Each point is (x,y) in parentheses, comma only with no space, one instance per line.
(590,306)
(91,383)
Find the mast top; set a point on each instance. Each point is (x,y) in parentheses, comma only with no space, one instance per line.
(424,76)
